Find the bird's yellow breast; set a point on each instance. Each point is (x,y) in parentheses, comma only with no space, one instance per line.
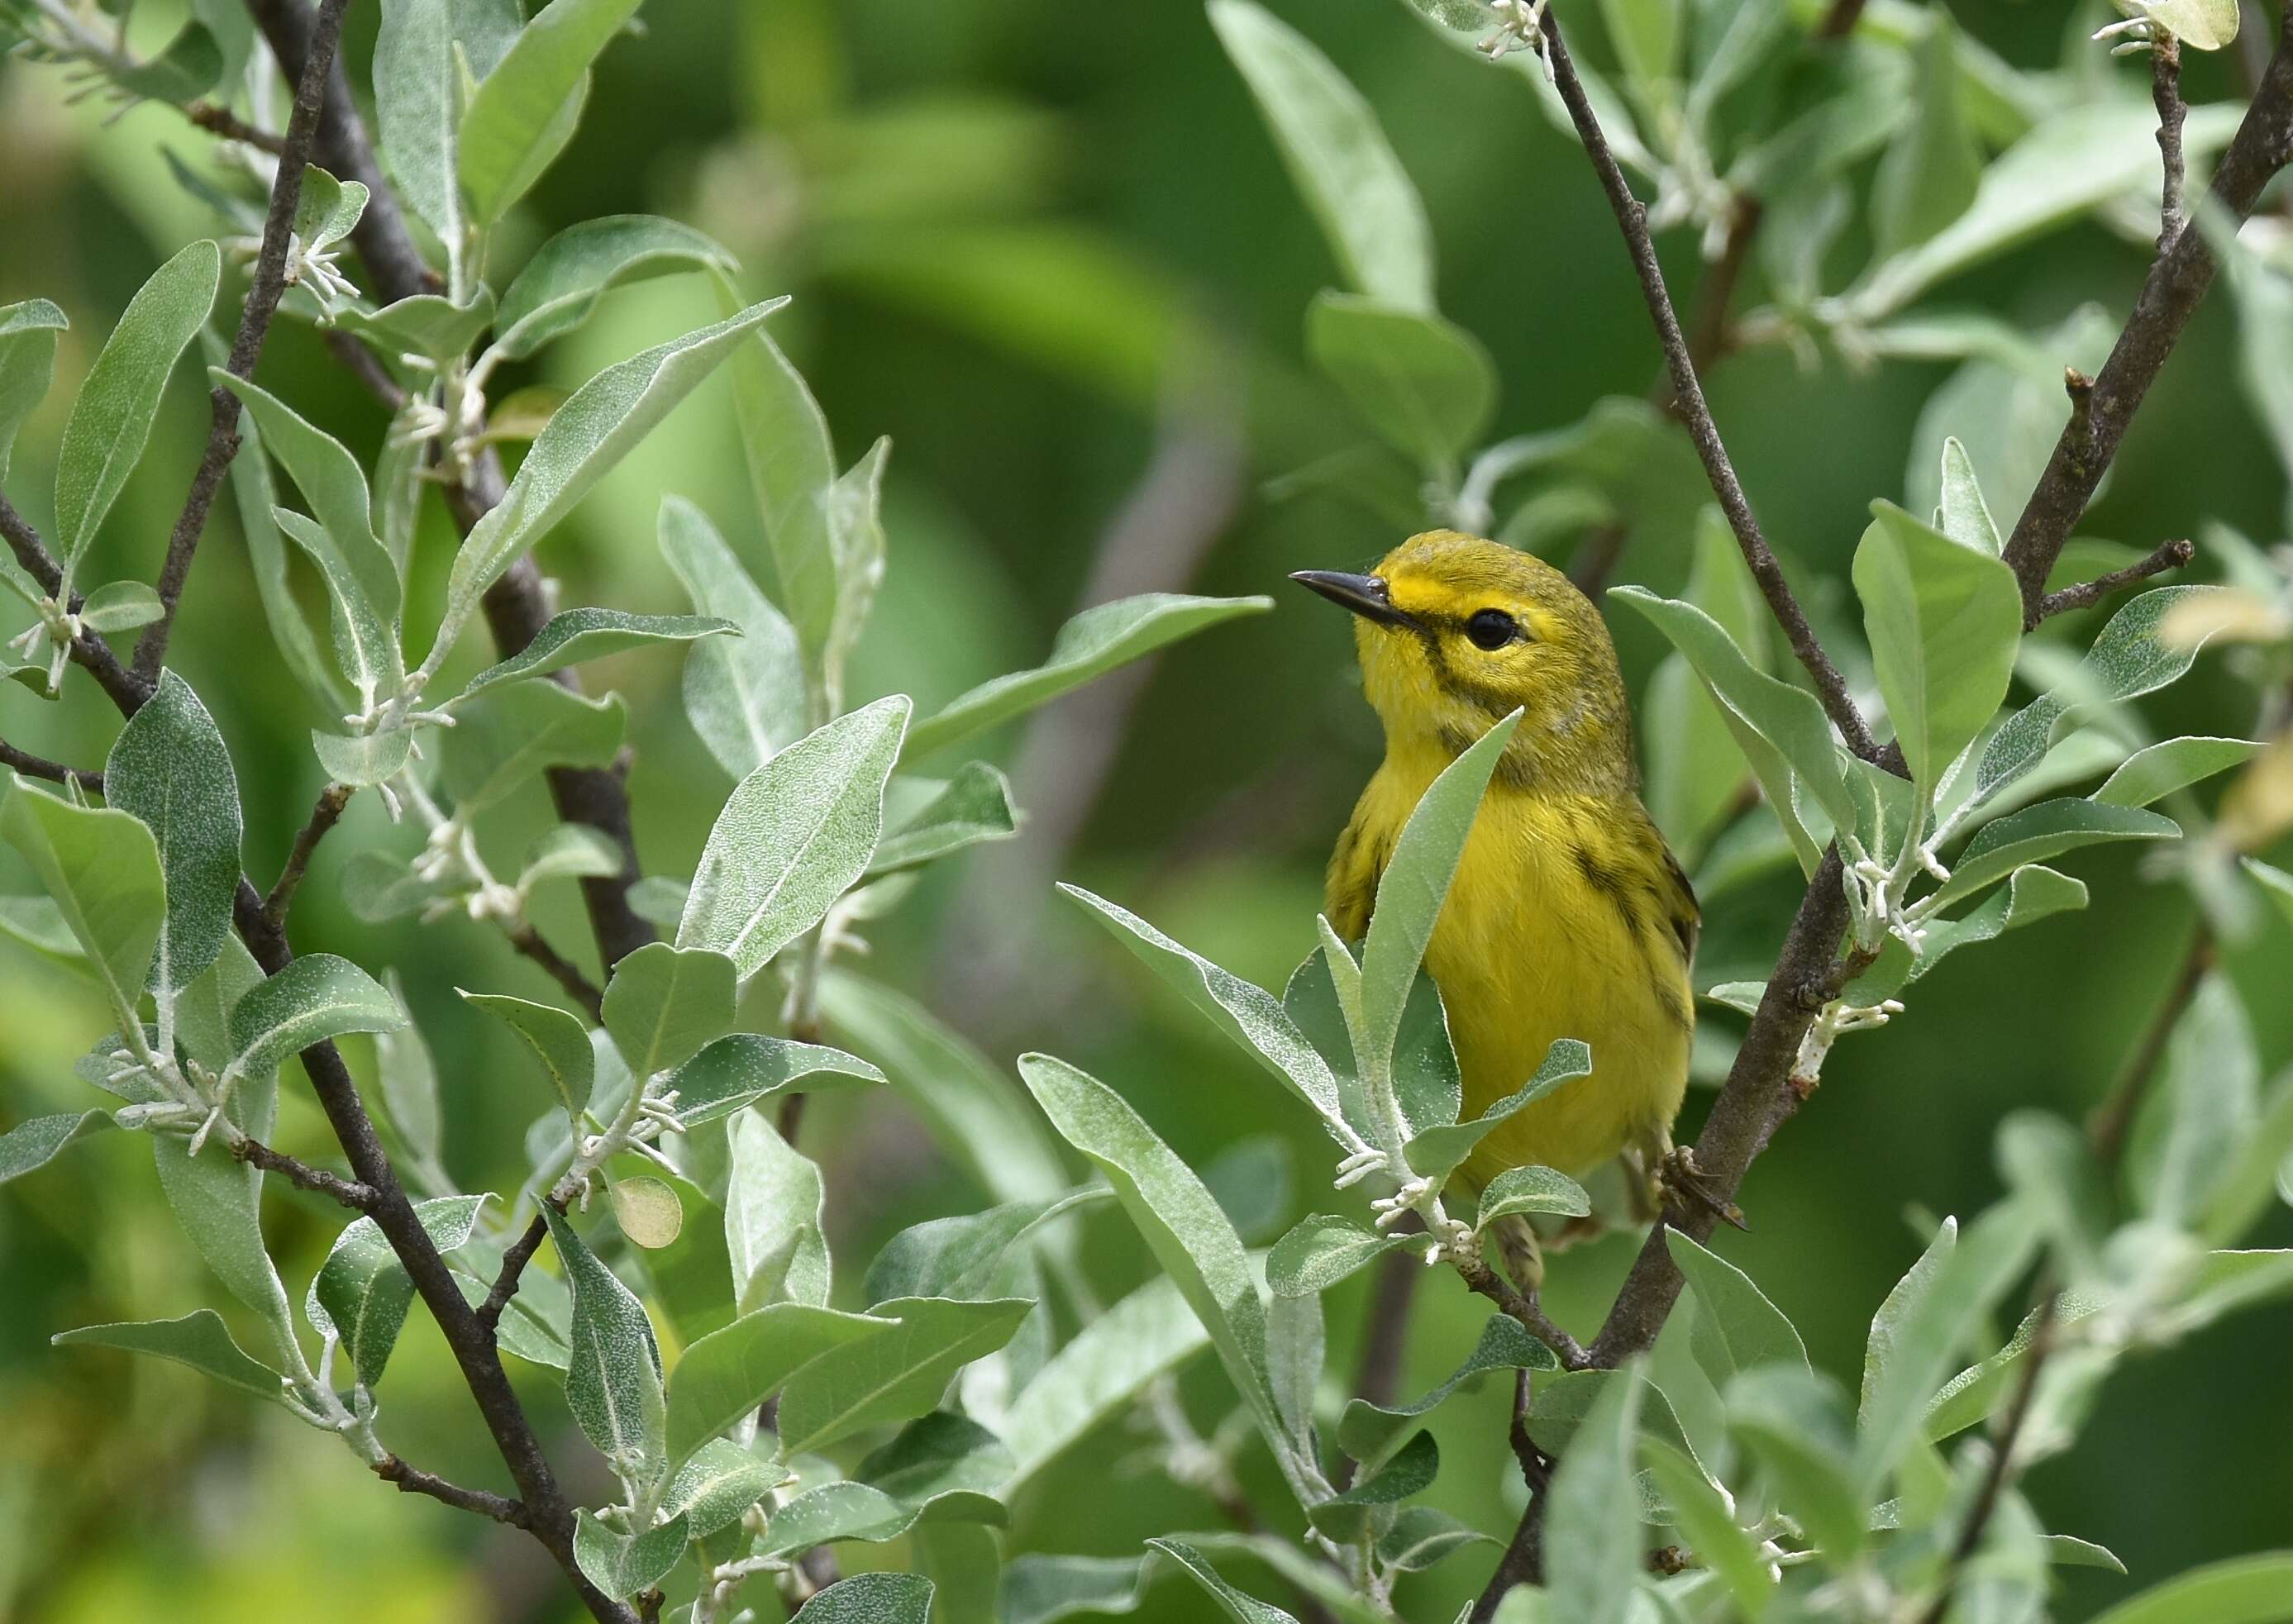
(1566,919)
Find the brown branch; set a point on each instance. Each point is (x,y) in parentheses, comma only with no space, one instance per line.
(1695,414)
(1523,1561)
(358,1197)
(2107,1128)
(367,367)
(254,323)
(413,1480)
(2166,94)
(219,120)
(54,771)
(324,816)
(1572,1353)
(2168,555)
(563,970)
(514,1262)
(89,649)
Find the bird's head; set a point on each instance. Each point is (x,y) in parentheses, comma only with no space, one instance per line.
(1456,633)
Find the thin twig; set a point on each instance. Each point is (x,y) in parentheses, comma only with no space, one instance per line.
(1523,1561)
(89,649)
(514,1262)
(2001,1468)
(254,323)
(54,771)
(2166,93)
(563,970)
(358,1197)
(363,365)
(2168,555)
(2107,1128)
(1695,414)
(1481,1277)
(413,1480)
(219,120)
(324,816)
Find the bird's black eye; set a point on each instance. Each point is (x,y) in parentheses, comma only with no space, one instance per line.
(1492,628)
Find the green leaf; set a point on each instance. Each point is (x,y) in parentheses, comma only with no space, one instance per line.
(111,417)
(791,464)
(1248,1015)
(725,1375)
(579,635)
(1901,1308)
(774,1234)
(836,1511)
(1796,1425)
(559,289)
(2241,1590)
(1964,515)
(587,436)
(872,1598)
(27,364)
(570,851)
(1368,1431)
(2204,25)
(101,868)
(2032,894)
(895,1376)
(518,730)
(1323,1250)
(718,1484)
(1931,173)
(198,1339)
(1184,1229)
(747,1066)
(2038,833)
(560,1041)
(1438,1152)
(957,1257)
(1707,1525)
(1593,1543)
(1845,104)
(792,837)
(973,806)
(317,997)
(646,1209)
(1425,1078)
(219,1202)
(1421,1537)
(326,209)
(622,1565)
(32,1144)
(1232,1603)
(1091,644)
(613,1383)
(1531,1189)
(120,606)
(942,1461)
(1337,157)
(513,126)
(39,924)
(1737,1328)
(1099,1374)
(855,530)
(1968,1398)
(170,767)
(665,1004)
(2203,1108)
(1943,620)
(417,104)
(431,325)
(1423,385)
(361,1293)
(366,647)
(2153,774)
(1353,1516)
(745,695)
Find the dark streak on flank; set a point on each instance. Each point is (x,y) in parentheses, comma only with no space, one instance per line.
(1627,896)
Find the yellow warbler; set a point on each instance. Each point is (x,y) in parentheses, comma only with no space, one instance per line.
(1567,917)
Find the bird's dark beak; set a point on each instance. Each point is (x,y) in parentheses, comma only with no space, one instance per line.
(1366,596)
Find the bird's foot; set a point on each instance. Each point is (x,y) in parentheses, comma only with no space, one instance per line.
(1681,1184)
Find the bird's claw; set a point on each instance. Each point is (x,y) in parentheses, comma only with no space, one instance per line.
(1683,1183)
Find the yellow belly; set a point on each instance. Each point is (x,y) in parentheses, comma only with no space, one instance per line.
(1530,950)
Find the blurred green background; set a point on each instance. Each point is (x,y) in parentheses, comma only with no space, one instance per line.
(1051,251)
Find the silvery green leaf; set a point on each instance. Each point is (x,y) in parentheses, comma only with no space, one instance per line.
(895,1376)
(1242,1609)
(1040,1587)
(408,1077)
(1963,515)
(1100,1372)
(570,851)
(791,464)
(855,534)
(943,1462)
(1851,100)
(185,68)
(648,1210)
(718,1485)
(170,767)
(664,1004)
(560,1041)
(973,806)
(361,1293)
(623,1564)
(2153,774)
(515,125)
(967,1104)
(1248,1014)
(1323,1250)
(774,1232)
(559,289)
(872,1598)
(32,1143)
(1532,1188)
(1698,1509)
(963,1560)
(1424,385)
(725,1375)
(1421,1537)
(218,1200)
(2239,1588)
(958,1257)
(1353,1516)
(39,924)
(362,760)
(1930,172)
(746,695)
(1943,619)
(1252,1181)
(111,417)
(255,494)
(1425,1075)
(1594,1543)
(1337,157)
(200,1339)
(516,731)
(430,325)
(120,606)
(2203,1107)
(1367,1431)
(1438,1153)
(2043,831)
(2203,25)
(613,1383)
(101,866)
(747,1066)
(2249,1185)
(2032,894)
(417,107)
(1737,1328)
(326,209)
(203,1008)
(1188,1235)
(317,997)
(28,363)
(366,642)
(579,635)
(1091,644)
(1795,1424)
(792,837)
(587,436)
